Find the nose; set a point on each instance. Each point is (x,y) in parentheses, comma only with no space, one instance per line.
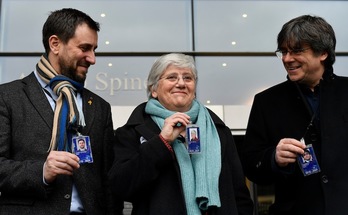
(180,80)
(91,57)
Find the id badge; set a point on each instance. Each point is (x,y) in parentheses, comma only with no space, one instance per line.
(308,161)
(192,139)
(81,146)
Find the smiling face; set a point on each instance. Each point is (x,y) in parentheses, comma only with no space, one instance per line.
(176,89)
(74,58)
(305,67)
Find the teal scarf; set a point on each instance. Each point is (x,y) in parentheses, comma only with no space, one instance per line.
(200,172)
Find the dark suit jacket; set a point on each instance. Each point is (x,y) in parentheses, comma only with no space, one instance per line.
(280,112)
(26,119)
(145,173)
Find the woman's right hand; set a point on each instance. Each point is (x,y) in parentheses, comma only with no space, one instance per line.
(174,125)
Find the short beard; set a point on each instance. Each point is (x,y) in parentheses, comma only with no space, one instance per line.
(70,72)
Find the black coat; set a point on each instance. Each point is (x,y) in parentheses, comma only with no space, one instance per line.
(148,176)
(26,119)
(280,112)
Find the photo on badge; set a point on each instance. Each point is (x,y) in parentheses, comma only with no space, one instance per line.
(82,148)
(193,140)
(308,162)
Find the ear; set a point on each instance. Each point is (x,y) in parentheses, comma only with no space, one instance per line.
(323,56)
(154,94)
(54,43)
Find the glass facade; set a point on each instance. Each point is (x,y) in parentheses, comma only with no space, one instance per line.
(232,41)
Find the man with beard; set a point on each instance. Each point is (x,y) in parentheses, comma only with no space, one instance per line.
(41,114)
(81,145)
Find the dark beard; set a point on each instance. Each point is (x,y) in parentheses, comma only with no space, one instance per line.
(70,72)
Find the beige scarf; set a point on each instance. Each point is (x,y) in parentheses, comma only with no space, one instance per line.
(68,116)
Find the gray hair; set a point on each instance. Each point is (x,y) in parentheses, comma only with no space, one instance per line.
(162,63)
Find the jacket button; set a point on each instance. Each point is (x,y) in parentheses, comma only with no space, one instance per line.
(67,196)
(324,179)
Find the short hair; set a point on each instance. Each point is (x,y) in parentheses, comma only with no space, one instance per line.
(83,140)
(162,63)
(63,23)
(309,30)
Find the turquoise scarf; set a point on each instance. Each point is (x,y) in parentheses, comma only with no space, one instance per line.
(200,172)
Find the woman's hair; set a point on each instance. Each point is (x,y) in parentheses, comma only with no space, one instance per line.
(162,63)
(309,30)
(63,23)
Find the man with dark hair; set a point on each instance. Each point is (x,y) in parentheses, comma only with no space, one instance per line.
(82,145)
(39,117)
(309,109)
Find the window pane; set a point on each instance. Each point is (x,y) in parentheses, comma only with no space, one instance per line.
(219,23)
(128,25)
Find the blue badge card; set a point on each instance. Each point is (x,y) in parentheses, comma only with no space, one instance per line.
(308,161)
(81,146)
(192,139)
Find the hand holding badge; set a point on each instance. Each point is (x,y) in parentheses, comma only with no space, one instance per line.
(308,161)
(81,146)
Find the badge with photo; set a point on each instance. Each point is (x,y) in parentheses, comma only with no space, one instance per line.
(308,161)
(192,138)
(81,146)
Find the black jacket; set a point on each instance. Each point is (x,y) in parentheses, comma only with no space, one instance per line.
(26,119)
(148,176)
(280,112)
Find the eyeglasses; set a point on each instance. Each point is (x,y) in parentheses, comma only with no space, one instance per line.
(282,53)
(174,78)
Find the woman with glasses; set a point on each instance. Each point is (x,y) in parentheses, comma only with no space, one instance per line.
(154,167)
(308,111)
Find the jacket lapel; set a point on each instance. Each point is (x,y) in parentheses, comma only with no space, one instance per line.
(89,109)
(147,130)
(143,123)
(38,99)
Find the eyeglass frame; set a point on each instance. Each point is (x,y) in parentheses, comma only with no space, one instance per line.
(280,54)
(183,77)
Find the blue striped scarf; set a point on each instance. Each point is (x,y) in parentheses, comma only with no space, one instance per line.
(200,172)
(68,116)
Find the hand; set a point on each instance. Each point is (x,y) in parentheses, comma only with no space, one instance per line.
(287,151)
(170,130)
(59,163)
